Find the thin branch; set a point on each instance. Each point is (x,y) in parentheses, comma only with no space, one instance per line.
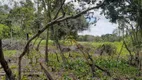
(61,8)
(131,56)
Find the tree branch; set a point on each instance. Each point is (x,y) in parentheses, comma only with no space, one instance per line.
(46,72)
(61,8)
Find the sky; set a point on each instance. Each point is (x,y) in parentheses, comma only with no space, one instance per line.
(103,26)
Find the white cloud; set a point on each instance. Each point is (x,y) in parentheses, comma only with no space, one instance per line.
(103,26)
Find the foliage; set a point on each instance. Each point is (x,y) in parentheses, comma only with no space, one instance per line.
(110,38)
(118,68)
(77,65)
(102,38)
(22,18)
(70,28)
(17,32)
(3,13)
(4,31)
(86,38)
(127,15)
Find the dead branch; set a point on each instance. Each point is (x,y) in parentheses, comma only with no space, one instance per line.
(46,72)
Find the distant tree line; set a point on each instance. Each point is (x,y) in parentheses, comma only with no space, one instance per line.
(102,38)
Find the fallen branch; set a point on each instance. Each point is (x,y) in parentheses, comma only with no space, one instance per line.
(46,72)
(106,71)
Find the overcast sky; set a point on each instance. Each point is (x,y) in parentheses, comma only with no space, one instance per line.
(103,26)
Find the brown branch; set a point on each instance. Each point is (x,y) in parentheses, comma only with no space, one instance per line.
(50,24)
(46,72)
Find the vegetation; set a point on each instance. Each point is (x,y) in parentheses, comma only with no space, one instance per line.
(39,40)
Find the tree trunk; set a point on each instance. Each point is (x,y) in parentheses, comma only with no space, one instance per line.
(27,35)
(46,47)
(4,64)
(11,37)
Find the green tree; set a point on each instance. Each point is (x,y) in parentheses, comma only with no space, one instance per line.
(23,16)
